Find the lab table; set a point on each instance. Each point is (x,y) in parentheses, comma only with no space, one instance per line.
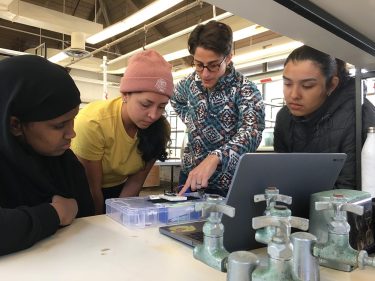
(99,248)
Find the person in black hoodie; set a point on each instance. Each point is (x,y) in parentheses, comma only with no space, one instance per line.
(319,115)
(42,184)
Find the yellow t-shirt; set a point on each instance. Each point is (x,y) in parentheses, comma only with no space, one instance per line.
(100,135)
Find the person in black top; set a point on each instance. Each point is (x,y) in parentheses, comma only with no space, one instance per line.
(319,115)
(42,184)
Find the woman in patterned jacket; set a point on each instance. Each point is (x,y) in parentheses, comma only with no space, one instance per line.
(223,111)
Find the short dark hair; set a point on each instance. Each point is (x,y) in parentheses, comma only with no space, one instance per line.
(328,65)
(214,36)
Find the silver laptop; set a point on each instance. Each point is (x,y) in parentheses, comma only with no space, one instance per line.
(295,174)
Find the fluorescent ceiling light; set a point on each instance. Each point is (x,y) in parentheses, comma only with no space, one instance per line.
(58,57)
(248,31)
(12,52)
(270,51)
(168,38)
(177,75)
(352,69)
(133,20)
(238,35)
(253,58)
(261,61)
(176,55)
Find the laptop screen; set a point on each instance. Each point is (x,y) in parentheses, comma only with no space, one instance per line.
(295,174)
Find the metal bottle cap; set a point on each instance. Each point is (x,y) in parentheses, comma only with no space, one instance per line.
(240,266)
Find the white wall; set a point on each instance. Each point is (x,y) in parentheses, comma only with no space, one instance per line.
(94,91)
(91,85)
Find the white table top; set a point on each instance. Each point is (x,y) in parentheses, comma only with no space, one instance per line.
(98,248)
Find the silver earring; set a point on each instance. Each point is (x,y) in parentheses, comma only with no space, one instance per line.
(124,101)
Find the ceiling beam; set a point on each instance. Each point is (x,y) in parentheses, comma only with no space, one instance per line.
(104,10)
(272,15)
(40,17)
(317,15)
(75,7)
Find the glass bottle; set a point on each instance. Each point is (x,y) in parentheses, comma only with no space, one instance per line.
(368,162)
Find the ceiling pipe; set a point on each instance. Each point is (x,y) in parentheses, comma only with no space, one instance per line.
(40,17)
(32,33)
(62,41)
(169,38)
(11,52)
(105,78)
(141,30)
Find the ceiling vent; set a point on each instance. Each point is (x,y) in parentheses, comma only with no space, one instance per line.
(77,47)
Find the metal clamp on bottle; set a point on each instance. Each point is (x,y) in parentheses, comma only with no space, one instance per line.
(271,196)
(212,251)
(279,249)
(336,252)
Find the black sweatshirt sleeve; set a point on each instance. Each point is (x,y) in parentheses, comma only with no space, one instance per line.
(280,131)
(22,227)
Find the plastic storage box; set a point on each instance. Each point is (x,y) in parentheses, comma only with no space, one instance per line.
(140,212)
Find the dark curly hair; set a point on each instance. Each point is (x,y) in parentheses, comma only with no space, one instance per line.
(153,141)
(215,36)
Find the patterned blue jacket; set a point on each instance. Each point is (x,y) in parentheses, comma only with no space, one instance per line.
(227,121)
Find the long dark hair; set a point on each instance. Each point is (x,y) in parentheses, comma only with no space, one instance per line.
(153,141)
(342,73)
(328,65)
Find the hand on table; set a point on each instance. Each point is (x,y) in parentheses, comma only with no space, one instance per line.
(66,209)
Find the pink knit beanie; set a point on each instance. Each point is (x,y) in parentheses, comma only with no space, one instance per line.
(147,71)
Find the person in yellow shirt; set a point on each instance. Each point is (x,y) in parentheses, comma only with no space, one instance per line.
(119,140)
